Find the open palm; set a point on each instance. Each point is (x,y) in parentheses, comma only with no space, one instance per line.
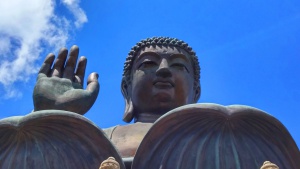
(60,87)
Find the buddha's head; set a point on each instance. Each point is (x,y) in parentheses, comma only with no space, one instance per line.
(160,74)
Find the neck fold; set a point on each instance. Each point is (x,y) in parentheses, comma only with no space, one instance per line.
(147,118)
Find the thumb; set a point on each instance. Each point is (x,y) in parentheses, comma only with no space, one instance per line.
(93,84)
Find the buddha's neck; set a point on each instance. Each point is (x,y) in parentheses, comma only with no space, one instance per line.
(147,117)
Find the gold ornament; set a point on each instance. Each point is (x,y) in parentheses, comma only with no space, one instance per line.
(269,165)
(110,163)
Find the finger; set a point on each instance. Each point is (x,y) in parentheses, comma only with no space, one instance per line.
(60,62)
(92,91)
(79,75)
(93,85)
(71,63)
(46,67)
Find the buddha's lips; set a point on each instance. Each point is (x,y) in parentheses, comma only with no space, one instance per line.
(163,84)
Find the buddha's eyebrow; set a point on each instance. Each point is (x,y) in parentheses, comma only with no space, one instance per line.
(179,55)
(154,54)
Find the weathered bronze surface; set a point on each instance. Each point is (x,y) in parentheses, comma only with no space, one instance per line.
(162,78)
(53,139)
(212,136)
(160,75)
(57,87)
(127,138)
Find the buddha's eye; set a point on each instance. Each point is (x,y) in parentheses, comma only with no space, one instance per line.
(180,66)
(147,64)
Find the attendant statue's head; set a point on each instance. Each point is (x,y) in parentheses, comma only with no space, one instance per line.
(160,74)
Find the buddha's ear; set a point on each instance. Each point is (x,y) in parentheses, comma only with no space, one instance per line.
(128,112)
(197,93)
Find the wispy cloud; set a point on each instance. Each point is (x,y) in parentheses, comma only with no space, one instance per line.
(26,28)
(79,14)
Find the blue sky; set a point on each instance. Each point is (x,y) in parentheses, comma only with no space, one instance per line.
(249,51)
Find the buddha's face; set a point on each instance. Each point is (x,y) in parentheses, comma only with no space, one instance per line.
(162,79)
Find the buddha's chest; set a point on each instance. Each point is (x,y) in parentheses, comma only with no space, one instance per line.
(126,139)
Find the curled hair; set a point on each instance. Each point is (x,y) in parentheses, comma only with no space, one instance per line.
(162,41)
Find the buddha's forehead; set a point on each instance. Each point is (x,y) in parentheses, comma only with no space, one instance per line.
(162,50)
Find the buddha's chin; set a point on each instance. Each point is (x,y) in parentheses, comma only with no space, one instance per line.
(163,107)
(163,96)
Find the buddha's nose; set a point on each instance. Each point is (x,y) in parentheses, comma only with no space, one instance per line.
(163,69)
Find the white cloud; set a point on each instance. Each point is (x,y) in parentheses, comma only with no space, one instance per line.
(5,45)
(26,28)
(79,14)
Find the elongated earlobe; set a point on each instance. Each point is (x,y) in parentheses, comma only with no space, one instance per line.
(197,93)
(128,112)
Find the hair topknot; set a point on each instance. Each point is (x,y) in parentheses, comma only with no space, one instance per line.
(160,41)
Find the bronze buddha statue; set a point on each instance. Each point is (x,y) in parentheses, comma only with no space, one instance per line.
(160,74)
(161,81)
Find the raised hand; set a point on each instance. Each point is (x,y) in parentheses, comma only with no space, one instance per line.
(60,87)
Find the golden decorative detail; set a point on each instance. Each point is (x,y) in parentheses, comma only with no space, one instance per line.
(269,165)
(110,163)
